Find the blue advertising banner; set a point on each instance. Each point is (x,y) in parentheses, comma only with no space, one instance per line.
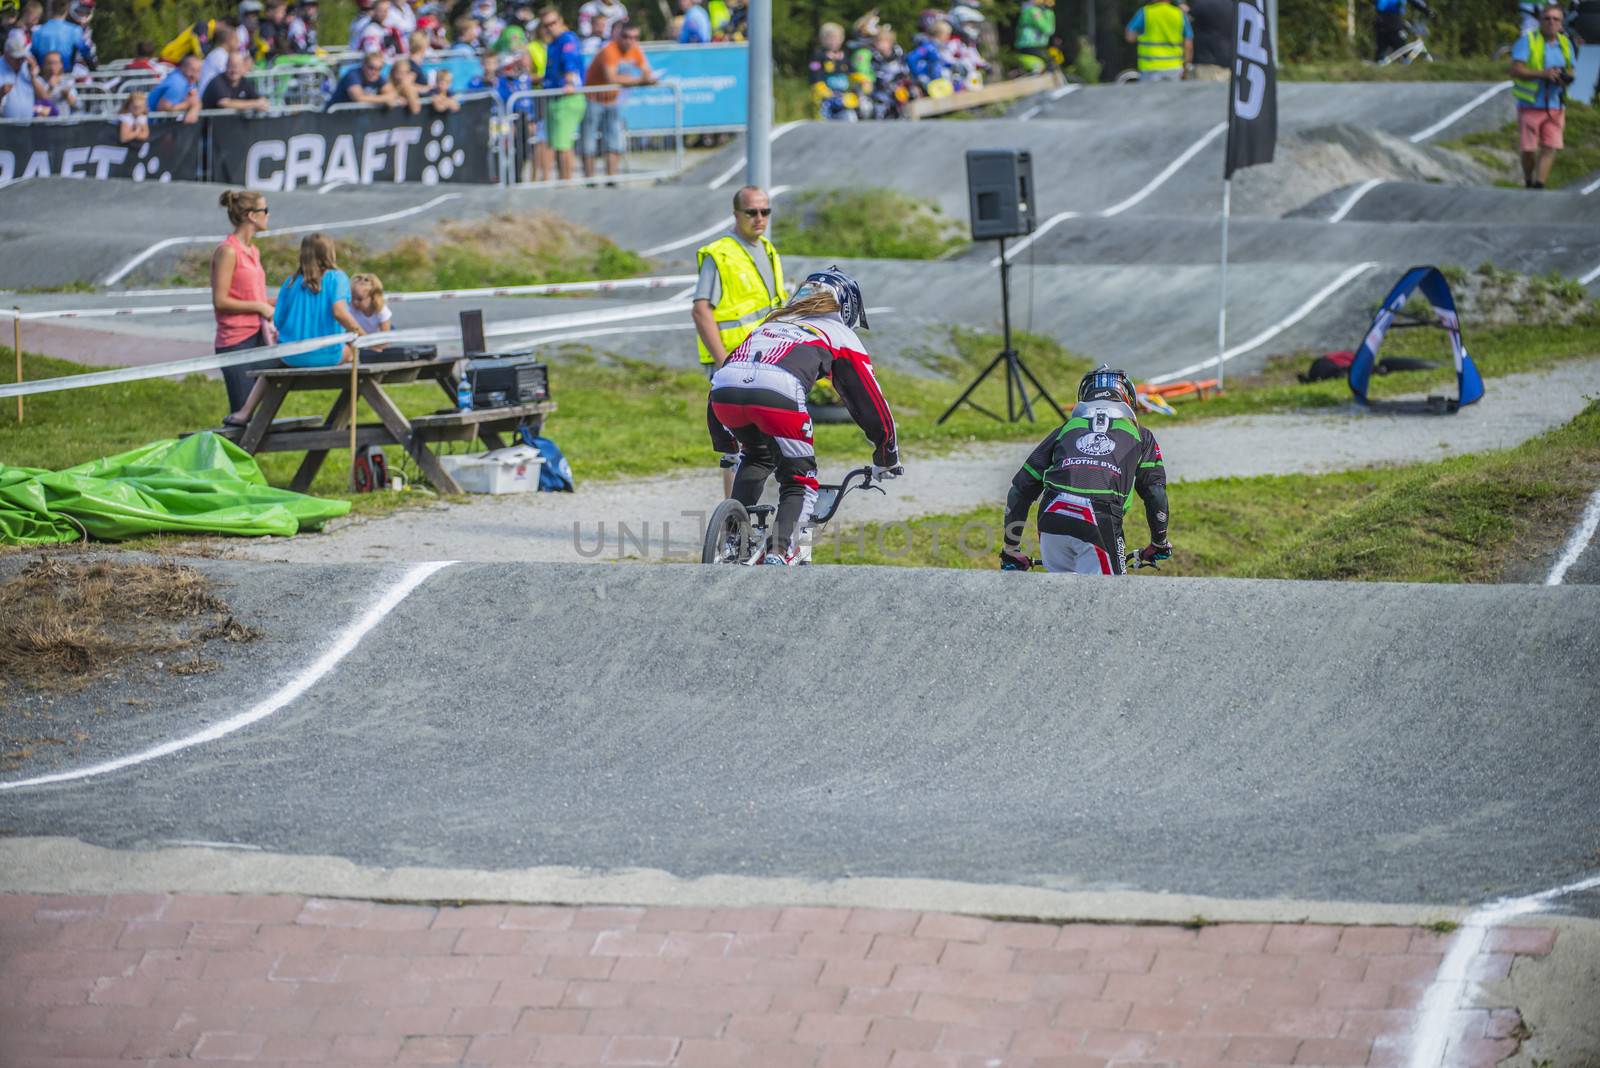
(712,78)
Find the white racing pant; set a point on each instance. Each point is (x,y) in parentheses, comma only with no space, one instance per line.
(1079,552)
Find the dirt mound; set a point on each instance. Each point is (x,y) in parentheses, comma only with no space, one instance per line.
(1314,162)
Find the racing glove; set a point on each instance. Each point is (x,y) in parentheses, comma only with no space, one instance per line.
(1153,552)
(1015,560)
(880,473)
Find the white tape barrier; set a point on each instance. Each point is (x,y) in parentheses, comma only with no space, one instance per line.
(165,370)
(540,289)
(514,328)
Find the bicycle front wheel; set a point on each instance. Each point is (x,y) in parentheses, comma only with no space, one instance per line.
(727,535)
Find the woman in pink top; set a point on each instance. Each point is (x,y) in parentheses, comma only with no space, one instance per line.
(239,294)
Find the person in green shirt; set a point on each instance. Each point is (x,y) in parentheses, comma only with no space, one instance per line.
(1036,25)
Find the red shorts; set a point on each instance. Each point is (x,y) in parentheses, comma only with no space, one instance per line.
(1541,126)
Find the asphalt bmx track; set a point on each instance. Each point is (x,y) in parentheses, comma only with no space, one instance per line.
(1234,739)
(1129,194)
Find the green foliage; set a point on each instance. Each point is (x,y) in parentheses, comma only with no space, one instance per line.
(1581,158)
(1317,30)
(1085,67)
(120,24)
(865,224)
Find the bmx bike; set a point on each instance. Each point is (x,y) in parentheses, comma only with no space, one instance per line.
(738,535)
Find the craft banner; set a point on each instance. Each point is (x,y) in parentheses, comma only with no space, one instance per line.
(361,146)
(93,150)
(1253,91)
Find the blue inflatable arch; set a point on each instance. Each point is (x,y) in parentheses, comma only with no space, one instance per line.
(1431,282)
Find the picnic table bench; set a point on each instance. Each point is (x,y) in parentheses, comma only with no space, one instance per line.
(315,437)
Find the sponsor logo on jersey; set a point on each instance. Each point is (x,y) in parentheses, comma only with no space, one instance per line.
(1095,444)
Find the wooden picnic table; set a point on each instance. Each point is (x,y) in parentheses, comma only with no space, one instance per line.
(266,433)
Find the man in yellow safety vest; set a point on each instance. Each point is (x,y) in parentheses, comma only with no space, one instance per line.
(1165,39)
(741,280)
(1541,71)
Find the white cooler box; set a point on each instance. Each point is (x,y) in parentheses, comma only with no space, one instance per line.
(513,470)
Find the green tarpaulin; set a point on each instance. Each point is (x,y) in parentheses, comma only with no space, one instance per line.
(198,485)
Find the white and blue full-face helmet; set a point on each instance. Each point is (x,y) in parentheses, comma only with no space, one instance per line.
(1107,383)
(852,309)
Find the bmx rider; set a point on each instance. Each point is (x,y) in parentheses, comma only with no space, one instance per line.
(1088,472)
(759,397)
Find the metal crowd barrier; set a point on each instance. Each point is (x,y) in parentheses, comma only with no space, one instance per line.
(521,130)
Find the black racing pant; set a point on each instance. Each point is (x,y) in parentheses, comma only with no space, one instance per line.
(774,434)
(1390,30)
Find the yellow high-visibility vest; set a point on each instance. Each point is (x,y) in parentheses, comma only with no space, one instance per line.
(1526,89)
(745,298)
(1161,41)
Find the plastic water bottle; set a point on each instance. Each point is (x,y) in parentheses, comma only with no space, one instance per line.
(464,393)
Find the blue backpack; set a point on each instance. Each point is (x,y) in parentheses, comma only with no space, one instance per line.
(555,474)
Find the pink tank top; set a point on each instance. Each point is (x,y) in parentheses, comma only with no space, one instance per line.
(249,283)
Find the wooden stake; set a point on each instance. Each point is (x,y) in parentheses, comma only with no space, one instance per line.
(16,341)
(355,360)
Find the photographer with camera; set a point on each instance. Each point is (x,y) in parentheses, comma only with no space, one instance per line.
(1541,71)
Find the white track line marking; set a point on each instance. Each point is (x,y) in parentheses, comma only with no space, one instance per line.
(1065,90)
(726,176)
(1350,275)
(1360,191)
(323,190)
(1172,168)
(1589,277)
(1030,113)
(1117,209)
(122,272)
(286,694)
(1428,131)
(700,235)
(1049,224)
(1431,1038)
(1579,540)
(1590,188)
(201,843)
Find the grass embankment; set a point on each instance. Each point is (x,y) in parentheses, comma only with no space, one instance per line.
(1353,70)
(1458,520)
(502,250)
(616,417)
(864,224)
(1498,149)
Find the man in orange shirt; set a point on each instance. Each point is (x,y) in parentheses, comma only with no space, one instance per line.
(620,62)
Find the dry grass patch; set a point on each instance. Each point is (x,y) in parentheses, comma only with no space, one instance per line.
(497,250)
(64,624)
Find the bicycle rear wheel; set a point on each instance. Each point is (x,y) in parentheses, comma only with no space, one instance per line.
(727,535)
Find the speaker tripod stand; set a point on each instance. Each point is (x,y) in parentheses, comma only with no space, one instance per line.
(1018,376)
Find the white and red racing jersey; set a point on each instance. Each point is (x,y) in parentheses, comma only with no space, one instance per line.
(824,347)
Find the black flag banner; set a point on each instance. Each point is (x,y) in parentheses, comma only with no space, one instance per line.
(94,150)
(1253,91)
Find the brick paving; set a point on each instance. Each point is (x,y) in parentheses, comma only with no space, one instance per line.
(294,981)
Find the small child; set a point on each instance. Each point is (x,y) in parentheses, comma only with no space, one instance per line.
(133,124)
(368,306)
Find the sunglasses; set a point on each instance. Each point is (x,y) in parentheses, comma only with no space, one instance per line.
(264,211)
(753,212)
